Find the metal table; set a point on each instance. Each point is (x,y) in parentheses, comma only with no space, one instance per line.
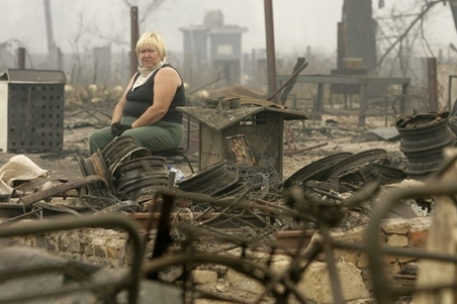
(362,81)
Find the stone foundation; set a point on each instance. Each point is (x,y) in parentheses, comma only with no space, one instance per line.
(103,247)
(396,232)
(107,247)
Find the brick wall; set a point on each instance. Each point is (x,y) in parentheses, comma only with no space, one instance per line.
(396,232)
(104,247)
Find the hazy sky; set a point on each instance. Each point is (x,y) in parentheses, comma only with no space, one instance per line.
(298,23)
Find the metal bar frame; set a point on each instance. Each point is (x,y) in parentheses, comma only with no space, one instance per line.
(449,92)
(363,81)
(132,280)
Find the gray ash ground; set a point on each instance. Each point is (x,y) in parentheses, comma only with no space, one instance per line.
(343,137)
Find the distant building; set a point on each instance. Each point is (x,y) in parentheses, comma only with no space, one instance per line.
(214,44)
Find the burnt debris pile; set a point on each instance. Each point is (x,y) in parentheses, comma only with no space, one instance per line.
(225,179)
(344,172)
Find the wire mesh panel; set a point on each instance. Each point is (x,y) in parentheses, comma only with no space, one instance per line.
(35,116)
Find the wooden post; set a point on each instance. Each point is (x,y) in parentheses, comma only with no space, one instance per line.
(449,93)
(134,36)
(432,84)
(362,104)
(319,102)
(405,98)
(341,44)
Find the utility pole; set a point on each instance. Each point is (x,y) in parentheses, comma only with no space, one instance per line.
(53,51)
(134,36)
(453,4)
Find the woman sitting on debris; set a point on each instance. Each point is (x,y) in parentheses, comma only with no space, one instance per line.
(147,109)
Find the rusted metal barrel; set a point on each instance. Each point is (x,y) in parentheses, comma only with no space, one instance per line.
(424,136)
(139,178)
(122,149)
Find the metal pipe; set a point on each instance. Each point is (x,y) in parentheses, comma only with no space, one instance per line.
(270,37)
(449,93)
(395,251)
(292,78)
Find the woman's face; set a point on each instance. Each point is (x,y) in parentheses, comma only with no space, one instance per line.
(149,56)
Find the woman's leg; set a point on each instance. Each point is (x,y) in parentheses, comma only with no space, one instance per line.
(160,136)
(99,139)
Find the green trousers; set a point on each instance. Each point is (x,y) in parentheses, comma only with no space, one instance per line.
(159,136)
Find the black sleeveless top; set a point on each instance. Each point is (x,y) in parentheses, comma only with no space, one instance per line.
(142,97)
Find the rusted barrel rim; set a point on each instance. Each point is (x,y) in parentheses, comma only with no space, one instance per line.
(126,155)
(147,163)
(401,122)
(430,149)
(314,168)
(115,143)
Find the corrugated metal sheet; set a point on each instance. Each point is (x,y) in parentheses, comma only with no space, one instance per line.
(219,119)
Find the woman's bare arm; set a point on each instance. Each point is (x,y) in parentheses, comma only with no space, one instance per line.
(166,83)
(118,109)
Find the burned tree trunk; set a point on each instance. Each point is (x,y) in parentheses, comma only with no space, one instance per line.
(453,4)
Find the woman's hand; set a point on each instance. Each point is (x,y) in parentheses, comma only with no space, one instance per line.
(117,128)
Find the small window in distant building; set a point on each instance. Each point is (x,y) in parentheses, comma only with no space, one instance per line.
(225,49)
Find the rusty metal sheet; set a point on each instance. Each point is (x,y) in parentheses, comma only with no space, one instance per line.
(388,133)
(220,119)
(287,113)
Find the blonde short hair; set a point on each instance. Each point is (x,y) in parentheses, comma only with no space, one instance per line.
(152,39)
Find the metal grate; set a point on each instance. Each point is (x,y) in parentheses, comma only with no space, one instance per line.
(35,117)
